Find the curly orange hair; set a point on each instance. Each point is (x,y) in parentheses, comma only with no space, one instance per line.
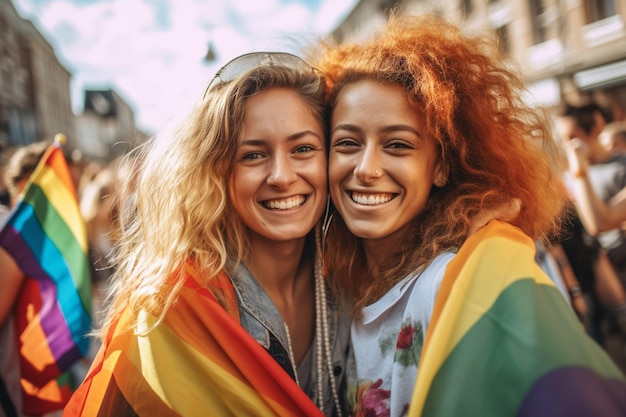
(495,145)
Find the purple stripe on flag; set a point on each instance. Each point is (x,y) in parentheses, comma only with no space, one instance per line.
(557,394)
(59,337)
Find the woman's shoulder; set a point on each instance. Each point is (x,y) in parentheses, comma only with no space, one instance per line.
(443,259)
(437,267)
(429,280)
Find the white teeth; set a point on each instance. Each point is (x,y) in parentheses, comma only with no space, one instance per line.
(286,204)
(371,199)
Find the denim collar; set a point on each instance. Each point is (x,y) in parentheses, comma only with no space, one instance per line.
(256,303)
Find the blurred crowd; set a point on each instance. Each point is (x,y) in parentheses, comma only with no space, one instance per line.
(98,187)
(588,259)
(587,262)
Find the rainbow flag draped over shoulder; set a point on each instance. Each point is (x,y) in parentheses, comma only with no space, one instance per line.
(504,342)
(46,236)
(198,361)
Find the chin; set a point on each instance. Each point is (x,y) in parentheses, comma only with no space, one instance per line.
(291,234)
(365,233)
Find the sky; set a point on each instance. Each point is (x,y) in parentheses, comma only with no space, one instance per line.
(151,52)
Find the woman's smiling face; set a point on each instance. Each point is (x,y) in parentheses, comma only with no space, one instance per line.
(278,184)
(382,164)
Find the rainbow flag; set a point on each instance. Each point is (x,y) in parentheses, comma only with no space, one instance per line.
(198,361)
(46,237)
(504,342)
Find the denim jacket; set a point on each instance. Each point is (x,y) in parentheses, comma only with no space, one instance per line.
(260,317)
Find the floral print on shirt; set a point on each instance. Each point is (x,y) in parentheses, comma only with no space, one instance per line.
(409,344)
(406,349)
(372,400)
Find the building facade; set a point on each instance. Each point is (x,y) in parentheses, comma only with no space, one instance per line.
(106,127)
(17,113)
(35,101)
(35,98)
(570,51)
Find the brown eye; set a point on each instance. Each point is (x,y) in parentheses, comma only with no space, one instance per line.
(252,156)
(399,145)
(304,149)
(346,142)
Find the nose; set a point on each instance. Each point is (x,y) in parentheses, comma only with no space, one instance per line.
(368,166)
(282,172)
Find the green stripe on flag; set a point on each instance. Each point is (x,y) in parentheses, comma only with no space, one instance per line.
(58,232)
(529,331)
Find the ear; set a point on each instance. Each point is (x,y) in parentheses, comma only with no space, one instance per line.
(441,175)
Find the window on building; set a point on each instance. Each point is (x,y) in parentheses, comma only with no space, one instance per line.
(599,9)
(467,7)
(538,10)
(502,34)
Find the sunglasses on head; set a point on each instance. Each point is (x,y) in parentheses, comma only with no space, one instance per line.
(243,63)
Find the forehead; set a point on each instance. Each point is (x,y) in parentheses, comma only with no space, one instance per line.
(370,101)
(280,111)
(276,100)
(380,91)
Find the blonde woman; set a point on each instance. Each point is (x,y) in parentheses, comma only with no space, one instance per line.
(218,305)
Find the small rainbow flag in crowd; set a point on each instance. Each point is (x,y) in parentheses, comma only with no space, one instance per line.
(504,342)
(46,236)
(197,361)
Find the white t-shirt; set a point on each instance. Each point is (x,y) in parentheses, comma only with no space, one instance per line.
(388,341)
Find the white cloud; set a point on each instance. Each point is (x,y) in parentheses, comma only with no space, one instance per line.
(331,13)
(159,69)
(247,8)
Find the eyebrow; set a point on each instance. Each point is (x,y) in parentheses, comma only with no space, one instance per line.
(387,129)
(302,134)
(290,138)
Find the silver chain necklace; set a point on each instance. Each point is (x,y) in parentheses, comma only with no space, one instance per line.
(322,339)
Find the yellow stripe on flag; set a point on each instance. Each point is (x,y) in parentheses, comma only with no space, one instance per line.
(194,369)
(59,196)
(492,252)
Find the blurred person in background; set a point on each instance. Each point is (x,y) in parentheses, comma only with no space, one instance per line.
(613,136)
(98,208)
(81,170)
(4,192)
(97,205)
(596,174)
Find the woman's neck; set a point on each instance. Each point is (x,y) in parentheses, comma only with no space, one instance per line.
(377,251)
(277,266)
(285,271)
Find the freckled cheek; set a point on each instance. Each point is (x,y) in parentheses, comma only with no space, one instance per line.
(319,167)
(241,186)
(321,184)
(313,172)
(338,165)
(335,162)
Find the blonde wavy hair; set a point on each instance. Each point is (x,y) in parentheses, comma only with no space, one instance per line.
(181,211)
(496,147)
